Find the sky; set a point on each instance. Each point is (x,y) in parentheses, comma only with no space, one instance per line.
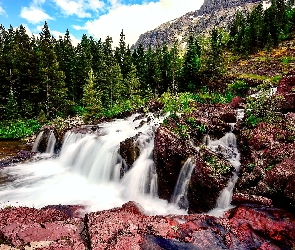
(96,18)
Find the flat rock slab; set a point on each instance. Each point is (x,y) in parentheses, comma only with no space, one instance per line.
(47,228)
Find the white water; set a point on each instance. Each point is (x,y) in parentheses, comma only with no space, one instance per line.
(37,142)
(227,146)
(50,144)
(87,173)
(179,196)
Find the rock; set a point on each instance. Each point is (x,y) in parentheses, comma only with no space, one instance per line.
(281,182)
(287,83)
(243,227)
(21,156)
(237,102)
(129,151)
(205,187)
(239,198)
(46,228)
(268,155)
(196,22)
(155,106)
(285,91)
(253,225)
(170,153)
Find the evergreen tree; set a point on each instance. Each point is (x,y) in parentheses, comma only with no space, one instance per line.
(53,90)
(214,60)
(139,61)
(91,98)
(66,58)
(176,64)
(191,66)
(83,66)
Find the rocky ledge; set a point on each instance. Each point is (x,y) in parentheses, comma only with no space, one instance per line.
(61,227)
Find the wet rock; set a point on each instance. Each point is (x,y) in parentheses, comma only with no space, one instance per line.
(205,186)
(239,198)
(21,156)
(170,153)
(244,227)
(129,150)
(48,227)
(258,227)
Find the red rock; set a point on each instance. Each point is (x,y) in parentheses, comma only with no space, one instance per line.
(287,83)
(21,226)
(239,198)
(254,225)
(237,102)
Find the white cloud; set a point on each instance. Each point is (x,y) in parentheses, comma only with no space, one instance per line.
(34,14)
(2,11)
(137,19)
(79,8)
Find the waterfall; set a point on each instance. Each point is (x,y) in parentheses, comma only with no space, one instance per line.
(179,196)
(87,172)
(227,146)
(142,178)
(37,142)
(51,143)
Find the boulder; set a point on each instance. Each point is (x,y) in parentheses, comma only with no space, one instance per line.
(286,90)
(170,153)
(46,228)
(238,102)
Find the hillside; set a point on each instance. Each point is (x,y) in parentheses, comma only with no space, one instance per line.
(213,13)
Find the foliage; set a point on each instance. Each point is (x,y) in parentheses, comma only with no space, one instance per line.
(239,88)
(217,166)
(263,107)
(18,128)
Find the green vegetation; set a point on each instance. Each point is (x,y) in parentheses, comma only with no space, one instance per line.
(263,108)
(46,78)
(18,128)
(217,166)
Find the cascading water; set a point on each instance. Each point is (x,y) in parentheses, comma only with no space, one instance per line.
(227,146)
(87,172)
(37,142)
(51,143)
(49,151)
(179,196)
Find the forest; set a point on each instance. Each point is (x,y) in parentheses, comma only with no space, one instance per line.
(42,78)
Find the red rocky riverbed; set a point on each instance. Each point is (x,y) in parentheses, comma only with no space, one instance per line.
(62,227)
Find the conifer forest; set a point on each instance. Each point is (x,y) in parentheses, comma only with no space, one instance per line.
(42,77)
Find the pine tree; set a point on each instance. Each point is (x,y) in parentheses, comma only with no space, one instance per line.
(91,98)
(66,58)
(191,66)
(83,66)
(52,86)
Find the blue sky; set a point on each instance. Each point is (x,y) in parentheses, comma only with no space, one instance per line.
(97,18)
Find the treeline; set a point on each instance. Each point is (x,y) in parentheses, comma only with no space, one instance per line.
(261,28)
(46,77)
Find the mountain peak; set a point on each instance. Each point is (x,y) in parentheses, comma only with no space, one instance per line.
(213,13)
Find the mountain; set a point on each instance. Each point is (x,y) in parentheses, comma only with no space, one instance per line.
(213,13)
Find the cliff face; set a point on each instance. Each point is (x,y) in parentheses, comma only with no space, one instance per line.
(213,13)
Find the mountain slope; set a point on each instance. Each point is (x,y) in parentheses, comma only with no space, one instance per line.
(213,13)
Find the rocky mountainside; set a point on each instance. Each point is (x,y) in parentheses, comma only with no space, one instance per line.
(213,13)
